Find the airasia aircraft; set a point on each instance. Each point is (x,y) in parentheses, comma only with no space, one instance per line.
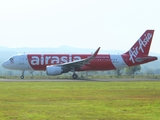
(56,64)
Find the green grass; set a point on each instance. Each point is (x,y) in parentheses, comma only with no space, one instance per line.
(79,100)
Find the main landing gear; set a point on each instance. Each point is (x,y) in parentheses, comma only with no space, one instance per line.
(74,76)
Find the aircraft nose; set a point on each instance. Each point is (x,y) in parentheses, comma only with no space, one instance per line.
(4,64)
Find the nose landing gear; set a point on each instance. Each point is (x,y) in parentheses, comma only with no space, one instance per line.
(22,76)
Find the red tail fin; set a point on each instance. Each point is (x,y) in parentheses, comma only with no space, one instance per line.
(142,46)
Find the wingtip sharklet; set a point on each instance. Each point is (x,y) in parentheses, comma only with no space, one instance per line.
(96,52)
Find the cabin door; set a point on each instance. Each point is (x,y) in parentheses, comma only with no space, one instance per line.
(21,59)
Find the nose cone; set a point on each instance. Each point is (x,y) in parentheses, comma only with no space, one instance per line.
(4,64)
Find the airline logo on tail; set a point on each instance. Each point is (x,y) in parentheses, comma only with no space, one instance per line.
(142,46)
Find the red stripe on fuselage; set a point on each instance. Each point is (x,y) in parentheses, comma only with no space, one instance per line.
(40,61)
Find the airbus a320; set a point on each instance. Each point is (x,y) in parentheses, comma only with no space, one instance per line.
(56,64)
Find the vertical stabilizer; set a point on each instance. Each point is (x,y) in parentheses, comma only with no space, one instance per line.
(142,46)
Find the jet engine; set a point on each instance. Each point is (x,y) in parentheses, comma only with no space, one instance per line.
(54,70)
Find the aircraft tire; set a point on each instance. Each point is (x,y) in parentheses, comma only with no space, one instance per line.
(74,76)
(22,77)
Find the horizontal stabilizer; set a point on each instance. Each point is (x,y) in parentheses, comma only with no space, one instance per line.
(141,59)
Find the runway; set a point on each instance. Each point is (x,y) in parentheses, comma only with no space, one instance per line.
(82,80)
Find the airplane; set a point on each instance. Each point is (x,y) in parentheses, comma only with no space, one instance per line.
(56,64)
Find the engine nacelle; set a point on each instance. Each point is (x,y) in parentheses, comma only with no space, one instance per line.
(53,70)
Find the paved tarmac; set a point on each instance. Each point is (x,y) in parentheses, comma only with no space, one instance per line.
(82,80)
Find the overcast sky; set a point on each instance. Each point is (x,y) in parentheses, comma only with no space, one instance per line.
(110,24)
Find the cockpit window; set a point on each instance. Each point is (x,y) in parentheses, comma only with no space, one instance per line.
(11,60)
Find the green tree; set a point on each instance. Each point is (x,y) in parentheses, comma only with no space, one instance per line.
(118,72)
(132,70)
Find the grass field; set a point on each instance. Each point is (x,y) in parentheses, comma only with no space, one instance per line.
(80,100)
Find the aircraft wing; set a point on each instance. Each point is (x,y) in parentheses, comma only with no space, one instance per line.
(78,63)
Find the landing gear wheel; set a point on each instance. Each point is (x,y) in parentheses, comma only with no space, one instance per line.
(22,77)
(74,76)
